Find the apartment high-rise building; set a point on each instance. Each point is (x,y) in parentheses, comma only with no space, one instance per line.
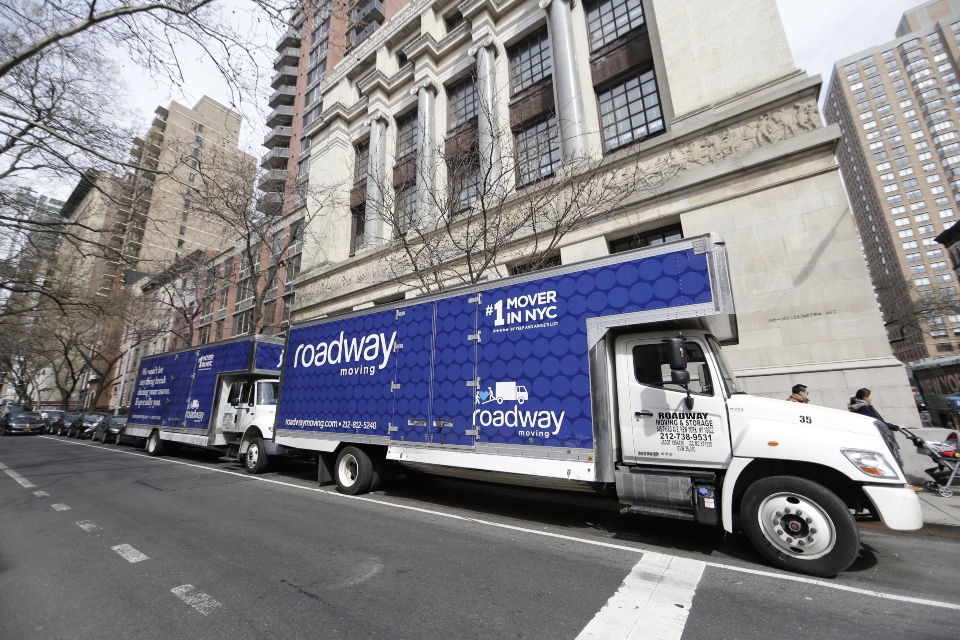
(163,225)
(898,105)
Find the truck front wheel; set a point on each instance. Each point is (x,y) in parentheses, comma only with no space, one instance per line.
(154,445)
(800,525)
(255,459)
(354,471)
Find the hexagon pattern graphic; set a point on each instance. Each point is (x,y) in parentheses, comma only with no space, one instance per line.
(411,369)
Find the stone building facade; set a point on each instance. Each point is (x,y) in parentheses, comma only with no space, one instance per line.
(733,133)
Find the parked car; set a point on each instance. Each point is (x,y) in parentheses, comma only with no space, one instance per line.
(53,419)
(21,422)
(109,429)
(65,423)
(82,428)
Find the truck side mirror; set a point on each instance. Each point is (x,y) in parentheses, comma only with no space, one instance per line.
(681,378)
(676,354)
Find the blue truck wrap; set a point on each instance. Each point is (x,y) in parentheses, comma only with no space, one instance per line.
(176,391)
(497,366)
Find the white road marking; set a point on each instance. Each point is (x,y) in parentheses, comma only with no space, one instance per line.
(196,599)
(129,554)
(23,482)
(60,507)
(653,601)
(41,494)
(86,525)
(594,543)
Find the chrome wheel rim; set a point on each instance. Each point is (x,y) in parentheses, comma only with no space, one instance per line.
(797,525)
(253,456)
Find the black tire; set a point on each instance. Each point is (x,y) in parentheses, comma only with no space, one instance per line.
(353,471)
(800,526)
(255,459)
(103,437)
(154,445)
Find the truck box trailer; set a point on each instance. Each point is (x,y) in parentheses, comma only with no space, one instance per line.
(604,376)
(221,395)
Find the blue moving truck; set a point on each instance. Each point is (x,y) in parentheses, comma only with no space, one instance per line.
(605,376)
(221,395)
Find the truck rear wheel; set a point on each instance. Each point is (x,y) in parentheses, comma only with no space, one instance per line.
(255,459)
(154,444)
(354,471)
(800,525)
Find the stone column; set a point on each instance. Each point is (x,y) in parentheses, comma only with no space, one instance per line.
(377,224)
(426,151)
(487,125)
(566,80)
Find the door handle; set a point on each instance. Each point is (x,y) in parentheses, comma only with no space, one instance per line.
(643,414)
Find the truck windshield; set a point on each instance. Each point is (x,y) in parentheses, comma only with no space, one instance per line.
(726,372)
(267,392)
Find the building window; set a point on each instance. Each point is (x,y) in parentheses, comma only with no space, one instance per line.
(630,111)
(462,102)
(406,207)
(363,161)
(407,134)
(464,172)
(529,267)
(647,239)
(607,20)
(203,334)
(358,216)
(538,151)
(530,61)
(241,322)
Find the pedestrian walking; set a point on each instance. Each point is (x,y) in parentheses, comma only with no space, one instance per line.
(799,393)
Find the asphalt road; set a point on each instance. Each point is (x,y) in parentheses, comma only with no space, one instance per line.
(100,541)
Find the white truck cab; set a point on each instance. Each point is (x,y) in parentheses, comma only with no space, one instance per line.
(246,414)
(788,473)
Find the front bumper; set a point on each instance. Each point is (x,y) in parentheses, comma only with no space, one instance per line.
(898,507)
(30,430)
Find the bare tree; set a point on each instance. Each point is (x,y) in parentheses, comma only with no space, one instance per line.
(245,203)
(916,312)
(61,110)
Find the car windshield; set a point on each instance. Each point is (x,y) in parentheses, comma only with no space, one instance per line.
(92,417)
(33,415)
(118,420)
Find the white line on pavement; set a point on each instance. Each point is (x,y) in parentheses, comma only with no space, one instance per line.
(595,543)
(129,554)
(196,599)
(653,601)
(86,525)
(23,482)
(41,494)
(60,507)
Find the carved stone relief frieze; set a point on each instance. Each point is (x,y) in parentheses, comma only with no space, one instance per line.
(767,128)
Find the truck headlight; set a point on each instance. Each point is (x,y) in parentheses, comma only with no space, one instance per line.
(871,463)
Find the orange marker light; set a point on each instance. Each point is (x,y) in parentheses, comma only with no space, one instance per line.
(590,458)
(773,443)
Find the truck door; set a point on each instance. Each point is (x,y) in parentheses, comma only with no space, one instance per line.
(655,424)
(241,402)
(455,364)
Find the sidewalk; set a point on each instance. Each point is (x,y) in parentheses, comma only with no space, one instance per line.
(940,511)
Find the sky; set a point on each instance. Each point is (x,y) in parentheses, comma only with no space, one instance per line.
(821,32)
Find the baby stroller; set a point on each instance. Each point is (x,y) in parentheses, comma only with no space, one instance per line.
(947,457)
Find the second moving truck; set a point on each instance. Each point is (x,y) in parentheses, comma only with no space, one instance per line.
(603,376)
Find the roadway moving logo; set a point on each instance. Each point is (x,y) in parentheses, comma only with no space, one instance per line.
(369,348)
(193,409)
(540,424)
